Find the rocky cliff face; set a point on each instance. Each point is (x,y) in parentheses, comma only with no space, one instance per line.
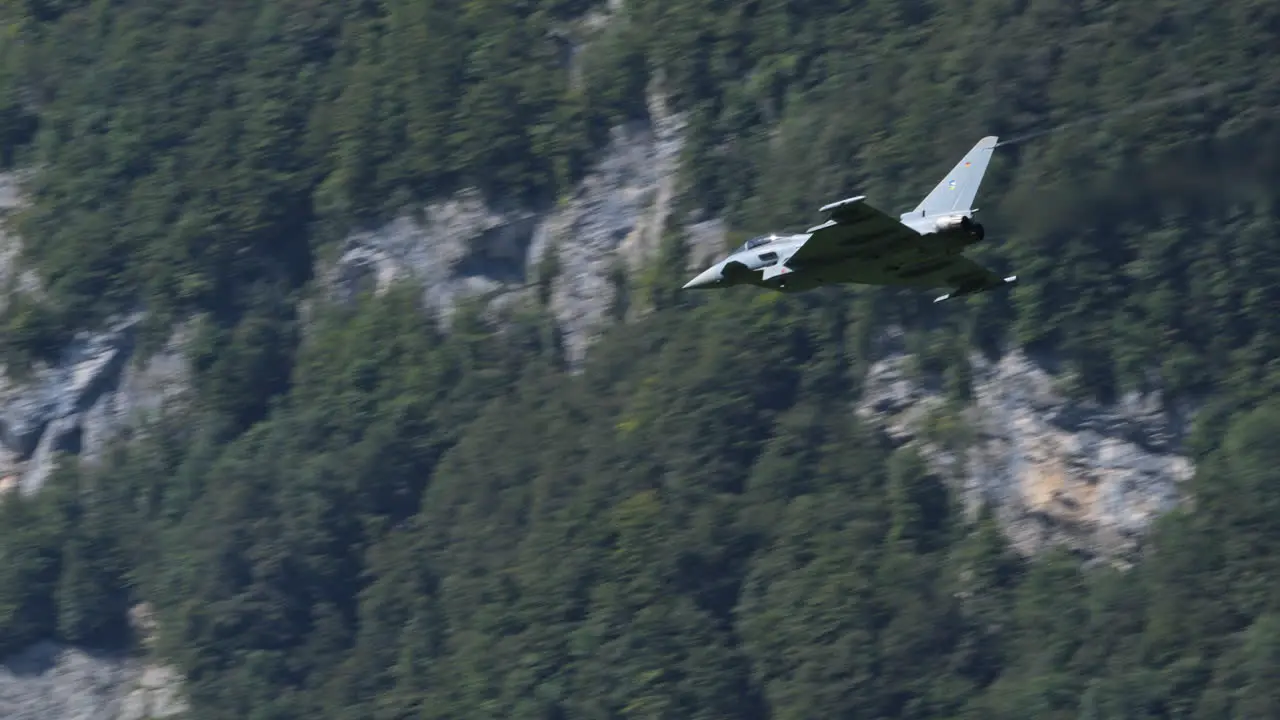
(52,682)
(48,681)
(462,247)
(77,404)
(1056,471)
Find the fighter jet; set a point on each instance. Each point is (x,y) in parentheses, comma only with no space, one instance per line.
(860,244)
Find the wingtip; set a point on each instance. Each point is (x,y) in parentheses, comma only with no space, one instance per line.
(989,142)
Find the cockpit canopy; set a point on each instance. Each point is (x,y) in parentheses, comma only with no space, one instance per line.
(754,242)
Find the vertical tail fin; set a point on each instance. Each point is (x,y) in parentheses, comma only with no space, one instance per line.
(958,189)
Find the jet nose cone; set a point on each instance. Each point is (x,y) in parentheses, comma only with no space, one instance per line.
(708,278)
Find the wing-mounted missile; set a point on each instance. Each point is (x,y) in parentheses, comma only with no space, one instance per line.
(836,209)
(974,289)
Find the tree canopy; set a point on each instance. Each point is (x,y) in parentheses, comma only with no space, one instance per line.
(367,517)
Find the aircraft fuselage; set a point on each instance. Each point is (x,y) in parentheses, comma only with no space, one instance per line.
(750,265)
(861,244)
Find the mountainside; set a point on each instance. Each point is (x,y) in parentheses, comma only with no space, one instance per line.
(582,493)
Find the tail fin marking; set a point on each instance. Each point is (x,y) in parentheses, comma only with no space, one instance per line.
(958,189)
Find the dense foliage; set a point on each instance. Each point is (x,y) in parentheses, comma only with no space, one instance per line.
(696,526)
(370,519)
(192,151)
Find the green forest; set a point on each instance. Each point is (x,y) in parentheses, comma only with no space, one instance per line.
(363,515)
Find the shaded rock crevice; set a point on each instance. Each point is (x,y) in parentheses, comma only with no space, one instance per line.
(80,402)
(452,248)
